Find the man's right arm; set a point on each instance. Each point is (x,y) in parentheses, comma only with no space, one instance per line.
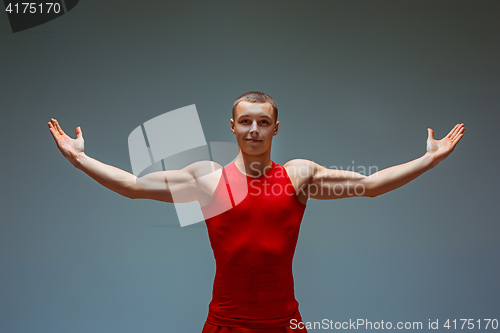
(168,186)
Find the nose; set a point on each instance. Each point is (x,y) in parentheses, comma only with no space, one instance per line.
(254,129)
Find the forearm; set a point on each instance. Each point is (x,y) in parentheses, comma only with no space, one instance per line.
(110,177)
(391,178)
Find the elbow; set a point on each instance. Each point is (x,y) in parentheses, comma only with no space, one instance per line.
(131,192)
(371,190)
(372,193)
(374,186)
(130,195)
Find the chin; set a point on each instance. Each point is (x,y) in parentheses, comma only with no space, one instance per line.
(252,151)
(255,152)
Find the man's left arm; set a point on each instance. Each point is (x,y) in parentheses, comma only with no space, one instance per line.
(333,184)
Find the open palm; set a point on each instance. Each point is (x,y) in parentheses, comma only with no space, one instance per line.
(442,148)
(70,148)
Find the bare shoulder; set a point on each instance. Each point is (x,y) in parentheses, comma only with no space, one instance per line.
(207,175)
(202,168)
(300,172)
(300,169)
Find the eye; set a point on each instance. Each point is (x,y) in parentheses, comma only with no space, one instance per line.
(265,121)
(244,121)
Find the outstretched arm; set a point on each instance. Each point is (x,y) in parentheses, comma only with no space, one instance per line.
(437,150)
(151,186)
(327,184)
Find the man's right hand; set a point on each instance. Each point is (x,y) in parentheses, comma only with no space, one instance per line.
(72,149)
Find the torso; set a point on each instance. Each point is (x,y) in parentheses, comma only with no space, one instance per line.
(253,226)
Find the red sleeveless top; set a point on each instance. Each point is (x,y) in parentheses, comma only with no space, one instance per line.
(253,224)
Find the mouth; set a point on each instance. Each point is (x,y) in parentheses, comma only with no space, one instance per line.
(252,140)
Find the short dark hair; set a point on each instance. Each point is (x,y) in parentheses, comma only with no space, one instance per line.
(257,97)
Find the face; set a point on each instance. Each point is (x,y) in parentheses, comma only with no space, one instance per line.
(254,127)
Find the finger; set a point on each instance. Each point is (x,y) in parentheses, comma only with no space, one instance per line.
(457,140)
(458,135)
(430,134)
(78,132)
(450,134)
(53,130)
(457,129)
(58,127)
(460,130)
(54,133)
(54,125)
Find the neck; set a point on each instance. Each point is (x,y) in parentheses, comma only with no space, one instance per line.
(253,165)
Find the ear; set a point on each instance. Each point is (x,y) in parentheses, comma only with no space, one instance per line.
(232,126)
(276,128)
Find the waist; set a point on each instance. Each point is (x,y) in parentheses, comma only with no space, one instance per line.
(257,292)
(251,322)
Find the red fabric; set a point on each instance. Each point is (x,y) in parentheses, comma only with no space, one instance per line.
(209,328)
(253,225)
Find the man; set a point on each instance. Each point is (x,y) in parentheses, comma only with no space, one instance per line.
(253,208)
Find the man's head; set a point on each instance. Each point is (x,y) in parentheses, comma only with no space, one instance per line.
(257,97)
(255,117)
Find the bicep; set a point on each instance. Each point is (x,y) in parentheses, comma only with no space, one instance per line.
(179,186)
(329,184)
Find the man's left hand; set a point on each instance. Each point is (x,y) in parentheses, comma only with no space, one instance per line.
(440,149)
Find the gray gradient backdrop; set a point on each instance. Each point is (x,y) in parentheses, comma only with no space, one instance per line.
(354,81)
